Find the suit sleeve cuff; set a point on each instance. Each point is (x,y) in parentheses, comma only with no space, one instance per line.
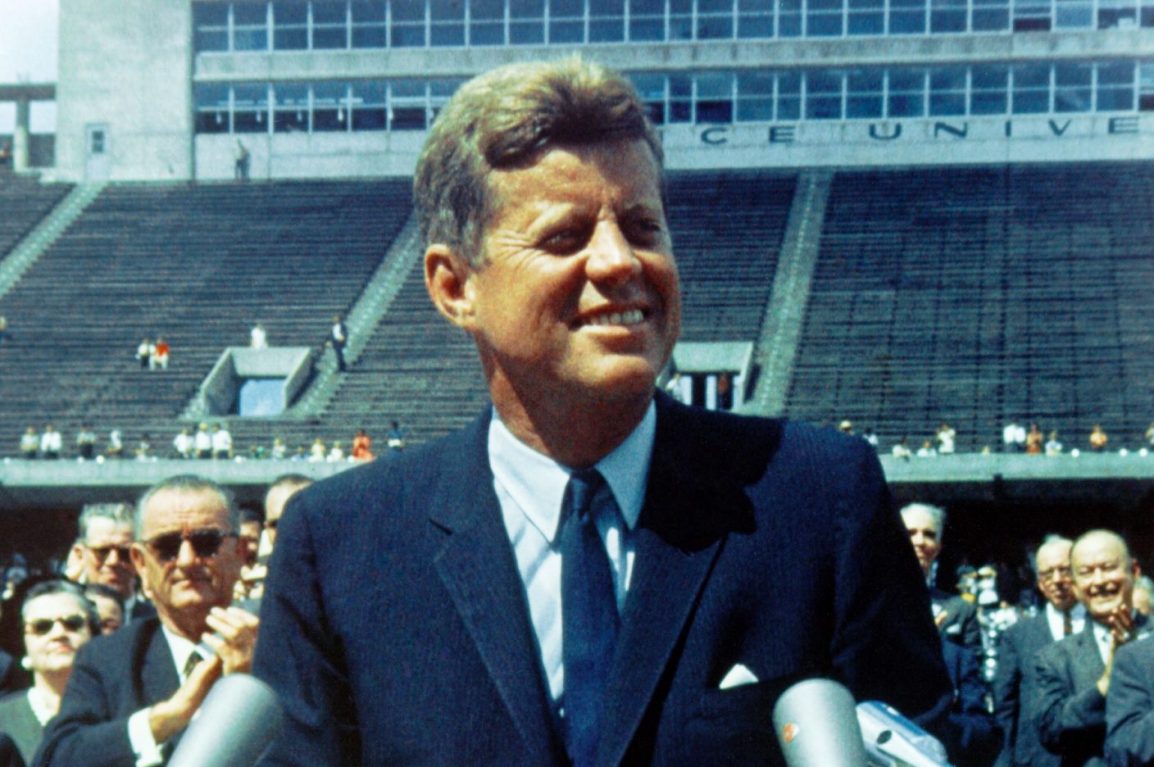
(144,746)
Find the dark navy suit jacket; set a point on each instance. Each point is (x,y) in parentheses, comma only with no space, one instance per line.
(112,678)
(395,625)
(1015,691)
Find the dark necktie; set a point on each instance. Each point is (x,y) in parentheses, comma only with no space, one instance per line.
(190,664)
(1067,624)
(589,617)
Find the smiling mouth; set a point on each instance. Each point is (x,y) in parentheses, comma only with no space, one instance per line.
(626,319)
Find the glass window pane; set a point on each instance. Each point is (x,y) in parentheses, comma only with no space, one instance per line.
(330,107)
(948,91)
(328,12)
(249,13)
(212,109)
(373,11)
(408,10)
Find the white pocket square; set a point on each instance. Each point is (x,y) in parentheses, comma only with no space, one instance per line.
(736,677)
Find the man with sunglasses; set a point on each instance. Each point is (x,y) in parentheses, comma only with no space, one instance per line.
(133,693)
(102,554)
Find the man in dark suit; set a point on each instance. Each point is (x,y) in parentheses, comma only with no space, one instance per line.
(424,610)
(1014,685)
(956,618)
(133,692)
(101,553)
(1130,707)
(1074,674)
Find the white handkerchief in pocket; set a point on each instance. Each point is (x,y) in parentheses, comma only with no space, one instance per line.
(736,677)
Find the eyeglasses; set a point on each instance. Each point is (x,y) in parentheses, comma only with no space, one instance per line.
(1054,573)
(101,552)
(206,543)
(42,626)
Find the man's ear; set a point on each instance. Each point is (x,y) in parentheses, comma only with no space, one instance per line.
(448,278)
(138,560)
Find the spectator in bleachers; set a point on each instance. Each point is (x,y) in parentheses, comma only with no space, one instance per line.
(221,442)
(30,443)
(1098,438)
(51,443)
(258,338)
(869,436)
(1014,437)
(1014,683)
(279,449)
(927,450)
(143,451)
(243,160)
(946,438)
(109,606)
(1035,440)
(115,447)
(57,620)
(318,452)
(1074,674)
(86,442)
(338,339)
(901,449)
(3,329)
(336,453)
(182,443)
(159,358)
(1053,444)
(362,446)
(395,438)
(202,442)
(144,353)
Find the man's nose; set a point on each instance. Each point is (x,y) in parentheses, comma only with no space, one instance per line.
(186,554)
(611,254)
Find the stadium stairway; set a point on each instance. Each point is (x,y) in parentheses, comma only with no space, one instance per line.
(34,216)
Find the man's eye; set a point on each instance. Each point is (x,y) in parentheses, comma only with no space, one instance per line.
(565,241)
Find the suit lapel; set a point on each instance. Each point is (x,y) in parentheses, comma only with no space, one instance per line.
(679,536)
(477,567)
(158,679)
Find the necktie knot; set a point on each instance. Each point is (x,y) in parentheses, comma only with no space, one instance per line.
(193,659)
(584,485)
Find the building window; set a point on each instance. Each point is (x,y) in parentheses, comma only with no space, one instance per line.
(823,18)
(290,26)
(1073,14)
(447,24)
(213,114)
(1073,87)
(906,93)
(566,22)
(369,24)
(526,22)
(947,16)
(789,96)
(1031,89)
(755,96)
(989,90)
(250,108)
(408,25)
(866,17)
(714,19)
(369,106)
(947,91)
(990,15)
(823,95)
(330,25)
(606,21)
(291,113)
(330,107)
(714,98)
(754,19)
(865,94)
(211,24)
(486,22)
(1115,86)
(1146,87)
(250,27)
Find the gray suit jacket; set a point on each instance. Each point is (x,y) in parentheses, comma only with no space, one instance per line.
(1015,691)
(1071,711)
(1130,706)
(18,722)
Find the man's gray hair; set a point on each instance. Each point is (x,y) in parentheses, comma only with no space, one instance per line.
(937,513)
(119,513)
(188,483)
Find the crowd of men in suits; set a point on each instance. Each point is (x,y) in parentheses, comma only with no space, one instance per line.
(1074,684)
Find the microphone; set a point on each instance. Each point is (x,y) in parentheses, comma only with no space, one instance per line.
(817,725)
(892,740)
(234,726)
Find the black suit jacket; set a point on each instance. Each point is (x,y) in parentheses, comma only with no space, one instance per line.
(1015,692)
(113,677)
(1071,713)
(1130,706)
(395,625)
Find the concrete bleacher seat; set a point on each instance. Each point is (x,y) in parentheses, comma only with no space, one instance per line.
(972,295)
(23,203)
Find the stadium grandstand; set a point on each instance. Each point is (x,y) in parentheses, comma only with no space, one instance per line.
(898,213)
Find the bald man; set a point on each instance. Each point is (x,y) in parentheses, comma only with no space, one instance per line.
(1074,674)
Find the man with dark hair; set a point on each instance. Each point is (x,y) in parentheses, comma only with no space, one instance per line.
(590,572)
(1074,674)
(132,693)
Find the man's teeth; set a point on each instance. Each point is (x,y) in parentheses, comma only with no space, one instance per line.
(631,317)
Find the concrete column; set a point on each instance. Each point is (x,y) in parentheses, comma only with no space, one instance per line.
(20,149)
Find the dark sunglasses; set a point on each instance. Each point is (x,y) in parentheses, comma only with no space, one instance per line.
(101,552)
(206,543)
(42,626)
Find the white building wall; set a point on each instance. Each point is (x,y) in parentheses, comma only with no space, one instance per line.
(126,65)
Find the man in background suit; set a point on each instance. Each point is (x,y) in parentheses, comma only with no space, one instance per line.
(956,619)
(423,610)
(1014,685)
(1130,707)
(1074,674)
(101,553)
(133,692)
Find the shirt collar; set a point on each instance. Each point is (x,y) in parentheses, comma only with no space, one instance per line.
(181,649)
(537,483)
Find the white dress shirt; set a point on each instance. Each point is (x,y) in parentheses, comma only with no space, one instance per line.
(530,488)
(144,746)
(1054,620)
